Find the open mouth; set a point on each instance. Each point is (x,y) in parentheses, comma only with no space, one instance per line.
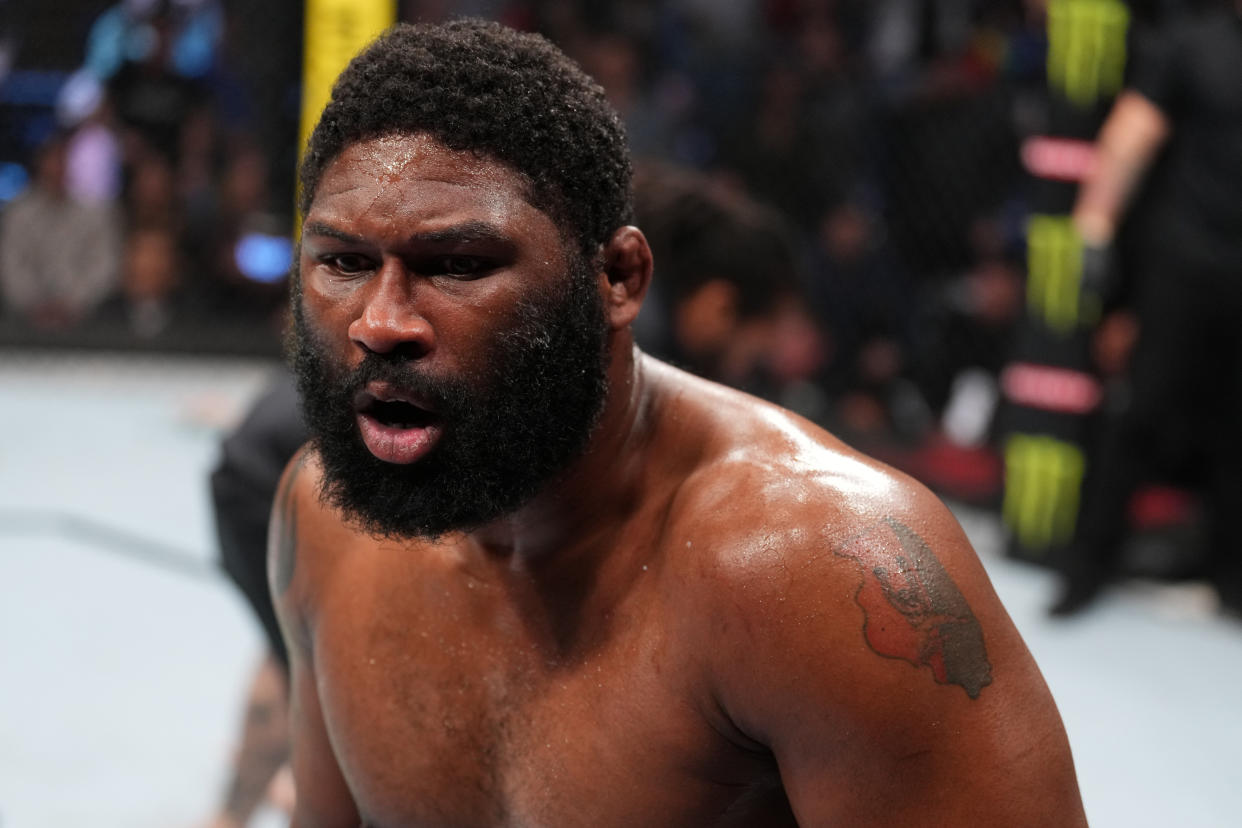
(395,427)
(397,413)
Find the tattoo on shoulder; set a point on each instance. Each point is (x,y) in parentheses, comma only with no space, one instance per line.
(913,610)
(286,534)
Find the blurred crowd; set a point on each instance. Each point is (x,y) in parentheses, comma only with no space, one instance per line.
(883,139)
(879,139)
(147,207)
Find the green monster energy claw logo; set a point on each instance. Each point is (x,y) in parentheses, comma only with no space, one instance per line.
(1043,480)
(1087,48)
(1054,274)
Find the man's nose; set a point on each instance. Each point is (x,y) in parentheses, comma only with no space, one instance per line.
(390,319)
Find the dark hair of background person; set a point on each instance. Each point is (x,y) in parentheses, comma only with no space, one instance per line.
(478,86)
(700,230)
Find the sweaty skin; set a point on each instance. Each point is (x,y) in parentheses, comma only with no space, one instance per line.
(718,615)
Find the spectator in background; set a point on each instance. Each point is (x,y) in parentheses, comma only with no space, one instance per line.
(970,317)
(94,154)
(777,152)
(59,257)
(158,61)
(150,195)
(126,32)
(150,298)
(1185,374)
(801,144)
(156,105)
(729,289)
(860,293)
(947,130)
(234,208)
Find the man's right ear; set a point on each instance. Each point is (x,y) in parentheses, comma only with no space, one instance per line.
(627,266)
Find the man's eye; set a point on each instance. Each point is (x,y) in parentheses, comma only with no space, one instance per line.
(348,263)
(459,265)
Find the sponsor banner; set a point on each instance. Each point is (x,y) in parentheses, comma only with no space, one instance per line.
(1086,49)
(1043,481)
(1058,159)
(1048,388)
(1054,295)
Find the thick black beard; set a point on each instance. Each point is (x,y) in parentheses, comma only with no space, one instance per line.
(508,431)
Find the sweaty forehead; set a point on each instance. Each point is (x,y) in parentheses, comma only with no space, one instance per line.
(392,164)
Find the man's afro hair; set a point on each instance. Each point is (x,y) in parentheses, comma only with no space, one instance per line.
(478,86)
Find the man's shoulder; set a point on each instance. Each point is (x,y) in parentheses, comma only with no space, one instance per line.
(296,497)
(299,482)
(768,487)
(799,542)
(806,532)
(305,533)
(842,621)
(304,519)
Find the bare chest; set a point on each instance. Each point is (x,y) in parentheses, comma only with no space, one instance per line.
(446,708)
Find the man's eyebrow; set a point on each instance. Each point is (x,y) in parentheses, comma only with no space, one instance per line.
(316,228)
(467,231)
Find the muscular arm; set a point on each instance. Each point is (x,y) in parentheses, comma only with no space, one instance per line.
(1135,131)
(323,797)
(891,686)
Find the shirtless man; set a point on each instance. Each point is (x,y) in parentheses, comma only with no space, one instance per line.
(529,576)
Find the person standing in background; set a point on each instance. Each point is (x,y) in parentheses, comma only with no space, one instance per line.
(59,257)
(1185,373)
